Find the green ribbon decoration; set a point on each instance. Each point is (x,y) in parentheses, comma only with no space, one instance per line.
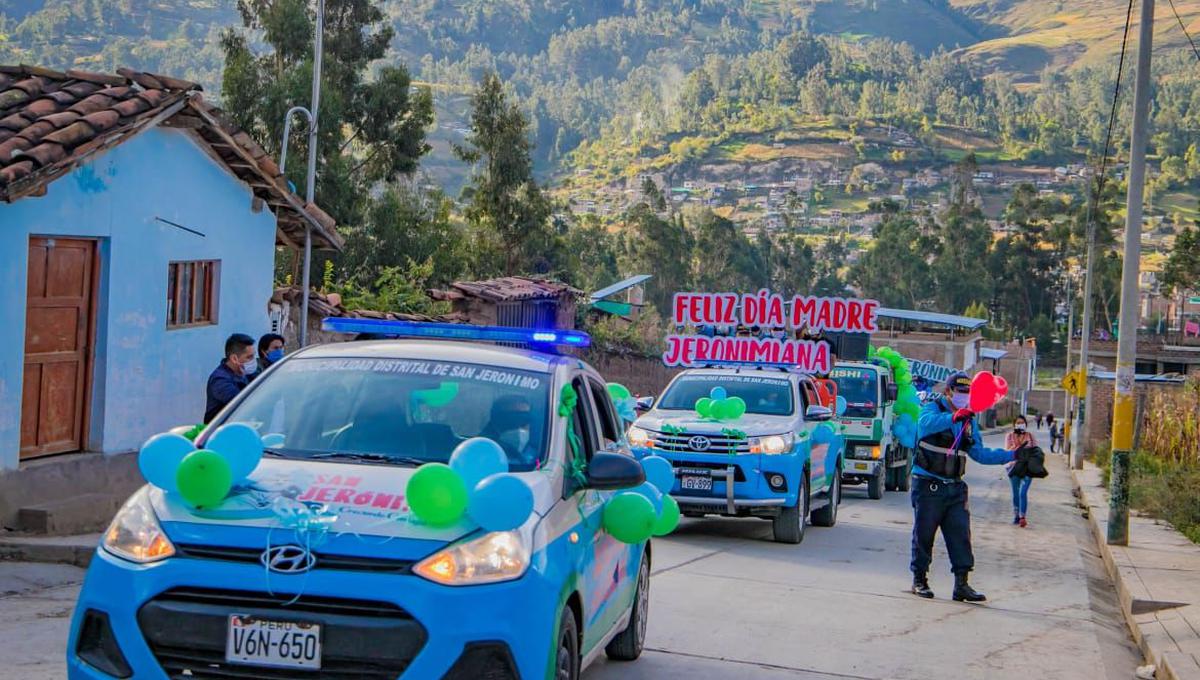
(673,430)
(567,401)
(734,436)
(191,434)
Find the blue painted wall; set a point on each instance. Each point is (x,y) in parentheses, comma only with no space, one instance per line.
(146,379)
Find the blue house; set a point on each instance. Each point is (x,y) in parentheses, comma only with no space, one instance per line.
(138,229)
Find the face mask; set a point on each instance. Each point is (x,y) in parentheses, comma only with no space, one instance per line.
(274,355)
(250,367)
(515,440)
(960,400)
(1019,429)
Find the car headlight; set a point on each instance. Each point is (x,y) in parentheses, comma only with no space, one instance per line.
(639,437)
(135,534)
(773,444)
(491,558)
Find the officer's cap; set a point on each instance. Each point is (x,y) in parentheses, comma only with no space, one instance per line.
(959,382)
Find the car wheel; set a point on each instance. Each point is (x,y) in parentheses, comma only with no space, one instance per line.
(566,664)
(827,516)
(628,645)
(903,475)
(875,485)
(788,526)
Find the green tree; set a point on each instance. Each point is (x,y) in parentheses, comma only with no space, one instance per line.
(507,209)
(404,225)
(723,259)
(370,129)
(1181,272)
(661,247)
(895,268)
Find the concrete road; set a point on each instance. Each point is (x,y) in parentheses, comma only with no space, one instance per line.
(729,604)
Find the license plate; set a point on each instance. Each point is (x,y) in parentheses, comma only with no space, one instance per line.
(263,642)
(691,483)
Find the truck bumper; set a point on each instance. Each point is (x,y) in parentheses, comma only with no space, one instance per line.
(859,471)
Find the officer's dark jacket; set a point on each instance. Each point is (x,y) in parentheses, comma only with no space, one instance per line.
(937,417)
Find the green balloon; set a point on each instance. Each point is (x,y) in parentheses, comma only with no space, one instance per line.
(438,397)
(618,391)
(871,351)
(204,478)
(704,407)
(668,519)
(437,494)
(735,407)
(630,517)
(720,409)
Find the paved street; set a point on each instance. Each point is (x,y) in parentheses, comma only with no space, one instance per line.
(728,603)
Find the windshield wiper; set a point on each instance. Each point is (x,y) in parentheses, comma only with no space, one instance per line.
(369,457)
(274,452)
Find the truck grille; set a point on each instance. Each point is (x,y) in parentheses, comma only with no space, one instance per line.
(687,443)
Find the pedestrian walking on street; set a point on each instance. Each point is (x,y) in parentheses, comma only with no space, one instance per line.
(1050,419)
(1019,438)
(1056,438)
(1039,421)
(948,435)
(231,375)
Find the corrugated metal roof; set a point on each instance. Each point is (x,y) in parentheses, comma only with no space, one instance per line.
(1140,377)
(618,287)
(507,288)
(933,317)
(989,353)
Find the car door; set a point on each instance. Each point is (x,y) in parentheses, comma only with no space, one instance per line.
(608,573)
(819,453)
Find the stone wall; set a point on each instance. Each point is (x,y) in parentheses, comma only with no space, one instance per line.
(1099,412)
(642,375)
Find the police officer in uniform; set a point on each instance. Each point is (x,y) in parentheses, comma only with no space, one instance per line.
(948,435)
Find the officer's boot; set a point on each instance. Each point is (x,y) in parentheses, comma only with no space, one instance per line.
(963,592)
(920,586)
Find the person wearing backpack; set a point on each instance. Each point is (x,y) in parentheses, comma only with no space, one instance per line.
(1019,438)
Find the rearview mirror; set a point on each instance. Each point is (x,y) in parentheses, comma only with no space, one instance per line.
(818,413)
(645,403)
(612,471)
(891,391)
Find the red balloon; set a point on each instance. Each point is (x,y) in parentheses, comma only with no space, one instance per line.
(987,389)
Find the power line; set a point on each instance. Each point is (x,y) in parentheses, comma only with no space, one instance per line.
(1112,117)
(1184,29)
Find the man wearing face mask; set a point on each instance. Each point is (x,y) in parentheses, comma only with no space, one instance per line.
(948,435)
(232,375)
(509,426)
(270,350)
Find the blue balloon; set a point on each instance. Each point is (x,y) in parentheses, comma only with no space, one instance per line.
(478,458)
(627,409)
(273,440)
(718,393)
(501,502)
(659,473)
(823,434)
(652,493)
(240,445)
(841,405)
(159,459)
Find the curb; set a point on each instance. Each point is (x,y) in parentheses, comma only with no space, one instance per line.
(77,552)
(1170,665)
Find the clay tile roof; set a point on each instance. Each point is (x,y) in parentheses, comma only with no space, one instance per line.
(51,122)
(508,288)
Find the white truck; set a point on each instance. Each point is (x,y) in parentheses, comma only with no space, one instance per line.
(873,456)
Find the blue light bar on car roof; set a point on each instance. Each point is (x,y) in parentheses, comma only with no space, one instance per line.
(455,331)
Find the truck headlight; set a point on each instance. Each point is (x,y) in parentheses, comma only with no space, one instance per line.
(876,452)
(773,444)
(491,558)
(135,534)
(639,438)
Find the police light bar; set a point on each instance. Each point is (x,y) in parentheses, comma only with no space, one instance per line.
(456,331)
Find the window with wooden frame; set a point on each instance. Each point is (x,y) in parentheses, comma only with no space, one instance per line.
(191,293)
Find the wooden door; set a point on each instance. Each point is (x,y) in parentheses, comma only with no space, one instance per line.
(58,339)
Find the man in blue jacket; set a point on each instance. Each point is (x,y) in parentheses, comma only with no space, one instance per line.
(947,436)
(231,375)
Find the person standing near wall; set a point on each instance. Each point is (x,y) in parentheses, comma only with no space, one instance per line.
(1019,438)
(230,376)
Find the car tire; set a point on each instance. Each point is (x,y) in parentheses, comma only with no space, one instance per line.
(567,659)
(904,474)
(788,526)
(827,516)
(875,484)
(629,643)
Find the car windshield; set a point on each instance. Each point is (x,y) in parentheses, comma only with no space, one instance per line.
(764,396)
(398,411)
(860,388)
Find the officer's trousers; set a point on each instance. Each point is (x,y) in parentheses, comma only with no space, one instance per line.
(941,505)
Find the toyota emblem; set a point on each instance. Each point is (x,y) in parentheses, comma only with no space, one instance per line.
(288,559)
(699,443)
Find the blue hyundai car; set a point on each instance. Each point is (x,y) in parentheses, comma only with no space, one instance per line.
(362,590)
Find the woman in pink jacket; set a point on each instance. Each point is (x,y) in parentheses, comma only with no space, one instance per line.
(1018,438)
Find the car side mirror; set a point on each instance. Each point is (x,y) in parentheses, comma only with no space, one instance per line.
(612,471)
(645,403)
(891,391)
(818,413)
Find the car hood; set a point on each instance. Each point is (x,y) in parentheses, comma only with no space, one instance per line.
(363,508)
(752,424)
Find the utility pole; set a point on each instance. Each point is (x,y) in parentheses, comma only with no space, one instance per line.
(311,179)
(1068,441)
(1123,400)
(1078,429)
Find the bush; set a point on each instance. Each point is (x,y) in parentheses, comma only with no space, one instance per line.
(1161,488)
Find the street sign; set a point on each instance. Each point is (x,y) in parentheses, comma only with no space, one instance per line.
(1073,382)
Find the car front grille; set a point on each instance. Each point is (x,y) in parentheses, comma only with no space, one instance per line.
(684,443)
(693,468)
(323,560)
(186,630)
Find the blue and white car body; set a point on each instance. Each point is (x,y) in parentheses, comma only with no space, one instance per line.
(776,471)
(376,594)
